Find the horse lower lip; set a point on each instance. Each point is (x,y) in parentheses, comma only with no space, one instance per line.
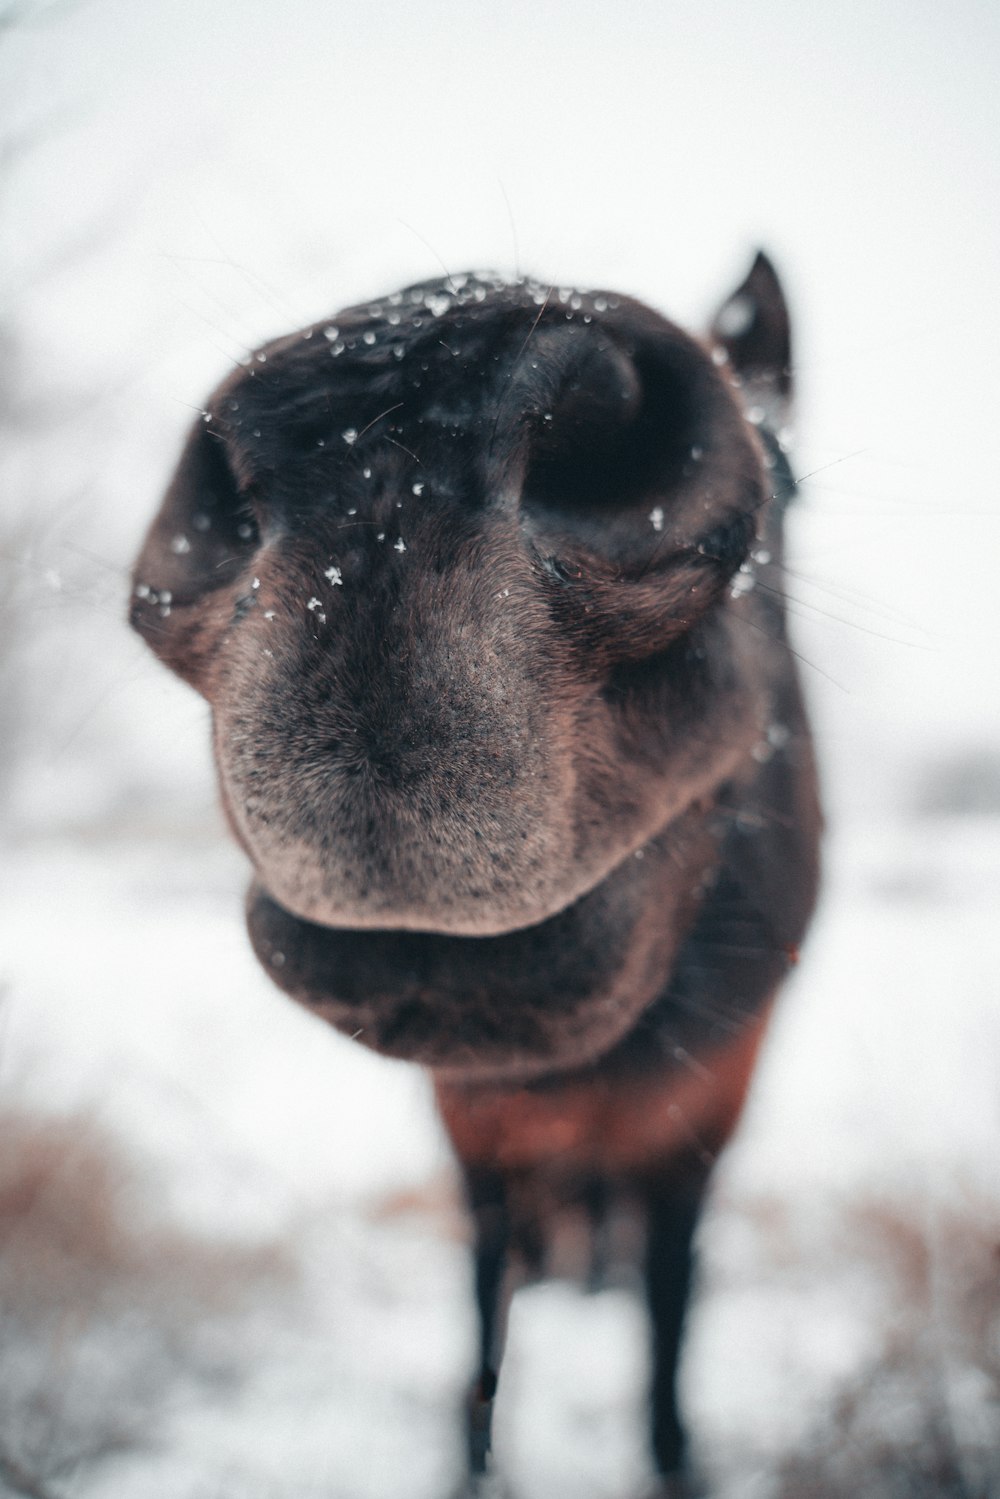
(506,1003)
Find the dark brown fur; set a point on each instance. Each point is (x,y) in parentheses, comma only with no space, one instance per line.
(518,756)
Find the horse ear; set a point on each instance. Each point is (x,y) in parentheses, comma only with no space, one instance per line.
(754,329)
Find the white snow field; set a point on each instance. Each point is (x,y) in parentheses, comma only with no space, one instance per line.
(232,1255)
(232,1259)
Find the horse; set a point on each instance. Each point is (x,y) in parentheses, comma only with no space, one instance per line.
(482,582)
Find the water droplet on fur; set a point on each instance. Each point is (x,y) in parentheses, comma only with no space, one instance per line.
(743,581)
(331,332)
(334,576)
(400,545)
(736,317)
(418,488)
(179,545)
(656,517)
(350,435)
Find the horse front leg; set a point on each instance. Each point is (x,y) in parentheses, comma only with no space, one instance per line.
(488,1203)
(672,1216)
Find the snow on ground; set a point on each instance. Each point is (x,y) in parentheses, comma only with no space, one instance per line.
(310,1175)
(274,1298)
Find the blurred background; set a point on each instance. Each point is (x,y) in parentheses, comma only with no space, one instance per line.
(230,1256)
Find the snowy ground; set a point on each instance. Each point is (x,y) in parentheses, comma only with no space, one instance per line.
(231,1259)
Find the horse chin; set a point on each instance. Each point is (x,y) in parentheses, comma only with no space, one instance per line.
(544,997)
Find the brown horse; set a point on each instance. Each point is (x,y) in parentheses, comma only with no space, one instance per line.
(483,584)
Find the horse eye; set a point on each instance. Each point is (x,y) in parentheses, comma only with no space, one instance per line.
(728,543)
(247,528)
